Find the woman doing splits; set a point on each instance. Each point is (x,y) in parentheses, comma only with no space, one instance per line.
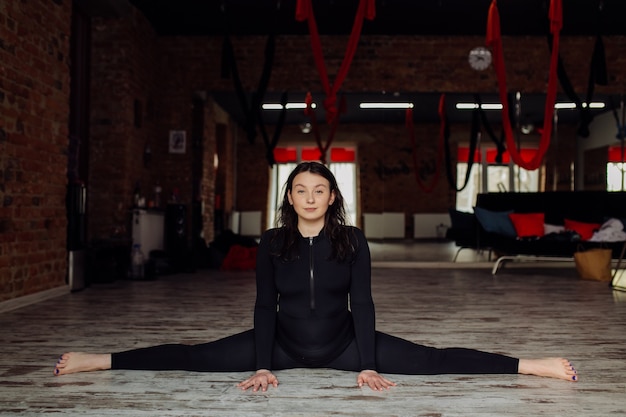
(314,309)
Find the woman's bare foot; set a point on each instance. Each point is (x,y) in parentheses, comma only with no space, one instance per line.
(550,367)
(72,362)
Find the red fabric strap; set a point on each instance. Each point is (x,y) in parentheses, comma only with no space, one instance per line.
(494,40)
(304,11)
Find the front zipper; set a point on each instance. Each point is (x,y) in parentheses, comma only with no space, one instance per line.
(311,277)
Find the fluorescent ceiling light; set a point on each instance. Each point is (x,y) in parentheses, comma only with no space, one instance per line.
(484,106)
(466,106)
(288,106)
(592,105)
(497,106)
(491,106)
(459,106)
(386,105)
(565,105)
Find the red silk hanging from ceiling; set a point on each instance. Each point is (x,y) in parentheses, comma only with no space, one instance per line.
(304,11)
(494,40)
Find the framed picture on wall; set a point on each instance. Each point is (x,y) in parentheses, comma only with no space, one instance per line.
(178,141)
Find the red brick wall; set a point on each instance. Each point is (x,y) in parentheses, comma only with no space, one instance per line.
(34,111)
(595,169)
(130,64)
(383,63)
(124,71)
(226,175)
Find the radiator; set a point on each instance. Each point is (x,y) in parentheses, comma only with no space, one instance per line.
(250,223)
(233,222)
(383,225)
(430,225)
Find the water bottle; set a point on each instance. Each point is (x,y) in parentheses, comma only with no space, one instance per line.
(137,262)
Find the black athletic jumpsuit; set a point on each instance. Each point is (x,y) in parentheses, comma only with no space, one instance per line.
(314,312)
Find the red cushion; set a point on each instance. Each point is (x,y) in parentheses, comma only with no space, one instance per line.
(239,258)
(585,230)
(528,224)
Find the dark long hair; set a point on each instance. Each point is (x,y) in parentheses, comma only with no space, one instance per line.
(334,221)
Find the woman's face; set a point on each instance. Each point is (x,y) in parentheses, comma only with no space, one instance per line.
(310,196)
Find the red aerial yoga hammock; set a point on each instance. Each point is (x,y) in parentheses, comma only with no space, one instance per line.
(494,41)
(304,11)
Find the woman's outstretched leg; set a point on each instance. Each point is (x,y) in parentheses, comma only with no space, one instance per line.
(396,355)
(233,353)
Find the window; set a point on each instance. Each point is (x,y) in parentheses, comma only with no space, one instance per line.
(615,175)
(489,176)
(342,165)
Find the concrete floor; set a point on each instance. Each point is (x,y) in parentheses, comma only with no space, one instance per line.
(527,312)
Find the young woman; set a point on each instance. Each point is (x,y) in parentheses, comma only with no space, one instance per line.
(314,309)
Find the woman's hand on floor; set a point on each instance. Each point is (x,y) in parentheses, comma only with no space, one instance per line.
(374,380)
(262,379)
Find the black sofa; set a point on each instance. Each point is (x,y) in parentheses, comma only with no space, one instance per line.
(582,206)
(464,230)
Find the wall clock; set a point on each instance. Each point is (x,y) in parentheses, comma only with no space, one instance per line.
(479,58)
